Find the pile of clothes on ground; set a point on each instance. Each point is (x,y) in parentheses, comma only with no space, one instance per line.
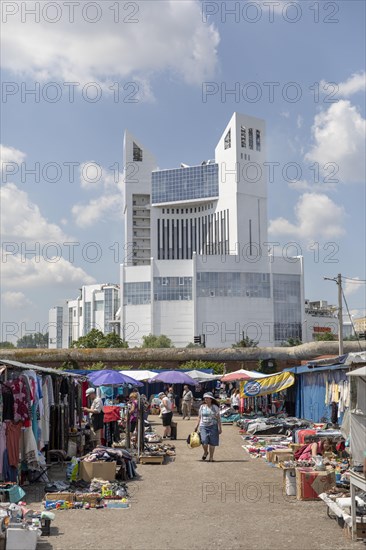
(272,425)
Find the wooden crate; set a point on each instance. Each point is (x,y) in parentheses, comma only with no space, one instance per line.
(145,459)
(280,455)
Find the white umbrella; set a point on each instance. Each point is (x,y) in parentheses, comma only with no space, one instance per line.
(201,376)
(140,375)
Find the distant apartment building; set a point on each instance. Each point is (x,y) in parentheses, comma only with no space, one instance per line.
(320,317)
(97,306)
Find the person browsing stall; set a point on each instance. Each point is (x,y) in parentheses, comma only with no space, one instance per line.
(209,425)
(166,410)
(96,414)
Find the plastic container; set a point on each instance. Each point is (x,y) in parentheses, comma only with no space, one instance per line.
(290,482)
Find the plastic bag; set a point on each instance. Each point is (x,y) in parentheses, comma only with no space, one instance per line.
(194,440)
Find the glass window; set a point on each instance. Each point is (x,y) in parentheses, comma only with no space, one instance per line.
(250,138)
(137,153)
(227,140)
(258,140)
(243,136)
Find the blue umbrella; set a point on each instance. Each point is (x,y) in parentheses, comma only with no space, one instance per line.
(174,377)
(110,377)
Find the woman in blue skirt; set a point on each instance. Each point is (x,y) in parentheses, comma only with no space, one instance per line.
(209,425)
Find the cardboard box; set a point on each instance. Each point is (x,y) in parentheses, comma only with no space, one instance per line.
(311,483)
(280,455)
(70,497)
(101,470)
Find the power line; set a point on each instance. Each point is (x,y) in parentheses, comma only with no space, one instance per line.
(350,318)
(354,279)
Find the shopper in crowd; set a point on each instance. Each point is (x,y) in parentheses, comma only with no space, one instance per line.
(314,449)
(96,415)
(133,408)
(235,400)
(166,413)
(171,395)
(187,399)
(209,425)
(145,405)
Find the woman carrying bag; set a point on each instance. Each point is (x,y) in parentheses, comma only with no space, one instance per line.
(209,425)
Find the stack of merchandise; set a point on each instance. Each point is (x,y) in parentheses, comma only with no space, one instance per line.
(95,494)
(261,447)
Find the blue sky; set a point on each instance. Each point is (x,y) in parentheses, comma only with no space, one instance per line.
(162,55)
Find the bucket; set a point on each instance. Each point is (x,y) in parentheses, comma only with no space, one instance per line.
(290,482)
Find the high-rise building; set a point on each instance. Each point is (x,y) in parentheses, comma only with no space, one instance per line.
(97,307)
(198,259)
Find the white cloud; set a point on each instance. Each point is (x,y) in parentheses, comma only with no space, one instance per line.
(21,219)
(100,209)
(285,114)
(351,287)
(299,121)
(304,185)
(107,206)
(166,36)
(40,272)
(354,84)
(317,217)
(339,138)
(9,155)
(15,300)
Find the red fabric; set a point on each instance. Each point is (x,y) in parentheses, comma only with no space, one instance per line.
(12,442)
(302,433)
(111,413)
(84,399)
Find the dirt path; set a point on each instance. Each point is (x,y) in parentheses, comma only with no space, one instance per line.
(233,503)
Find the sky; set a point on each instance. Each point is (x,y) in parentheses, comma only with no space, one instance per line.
(76,75)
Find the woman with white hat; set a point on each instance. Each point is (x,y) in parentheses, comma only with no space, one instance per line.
(209,425)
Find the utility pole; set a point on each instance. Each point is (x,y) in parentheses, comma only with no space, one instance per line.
(340,314)
(338,280)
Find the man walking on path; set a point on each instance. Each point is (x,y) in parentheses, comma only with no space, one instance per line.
(187,399)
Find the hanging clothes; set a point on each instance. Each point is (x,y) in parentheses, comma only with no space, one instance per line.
(13,430)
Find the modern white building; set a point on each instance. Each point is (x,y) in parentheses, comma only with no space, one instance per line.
(97,307)
(199,261)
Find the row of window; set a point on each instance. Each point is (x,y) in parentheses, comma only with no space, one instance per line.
(210,284)
(243,139)
(235,285)
(187,210)
(182,184)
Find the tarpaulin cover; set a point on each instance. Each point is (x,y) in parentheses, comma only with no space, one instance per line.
(310,395)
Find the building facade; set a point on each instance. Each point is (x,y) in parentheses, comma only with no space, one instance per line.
(198,258)
(96,307)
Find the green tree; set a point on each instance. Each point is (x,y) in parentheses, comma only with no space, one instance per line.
(35,340)
(246,343)
(218,368)
(96,339)
(267,366)
(6,345)
(151,341)
(290,342)
(325,337)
